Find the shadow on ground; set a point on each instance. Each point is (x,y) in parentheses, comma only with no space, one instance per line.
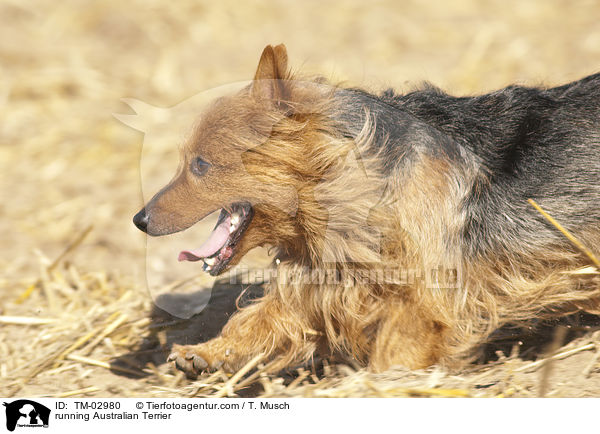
(536,340)
(166,329)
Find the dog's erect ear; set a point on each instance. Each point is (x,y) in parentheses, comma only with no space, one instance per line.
(270,75)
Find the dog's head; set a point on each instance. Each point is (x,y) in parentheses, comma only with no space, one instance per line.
(244,158)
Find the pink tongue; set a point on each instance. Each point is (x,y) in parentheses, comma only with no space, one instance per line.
(217,239)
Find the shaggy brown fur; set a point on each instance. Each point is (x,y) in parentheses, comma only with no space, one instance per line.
(286,148)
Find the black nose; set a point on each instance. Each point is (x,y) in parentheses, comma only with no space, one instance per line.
(141,220)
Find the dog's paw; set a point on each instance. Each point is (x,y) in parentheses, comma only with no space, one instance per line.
(195,359)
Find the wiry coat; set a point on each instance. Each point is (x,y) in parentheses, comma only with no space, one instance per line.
(442,184)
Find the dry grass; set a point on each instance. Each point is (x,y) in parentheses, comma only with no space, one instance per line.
(70,330)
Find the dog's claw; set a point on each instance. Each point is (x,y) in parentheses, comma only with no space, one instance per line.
(199,363)
(181,364)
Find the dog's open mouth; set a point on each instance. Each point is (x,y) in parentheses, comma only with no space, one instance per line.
(217,251)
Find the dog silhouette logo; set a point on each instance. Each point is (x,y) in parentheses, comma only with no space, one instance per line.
(26,413)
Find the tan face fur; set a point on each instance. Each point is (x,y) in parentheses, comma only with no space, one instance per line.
(224,140)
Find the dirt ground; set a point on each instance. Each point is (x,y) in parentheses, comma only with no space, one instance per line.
(76,316)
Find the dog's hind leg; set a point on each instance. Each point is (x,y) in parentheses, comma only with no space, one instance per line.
(408,337)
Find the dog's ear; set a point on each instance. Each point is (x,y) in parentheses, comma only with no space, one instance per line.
(269,80)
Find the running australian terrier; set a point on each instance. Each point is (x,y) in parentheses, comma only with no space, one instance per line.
(401,223)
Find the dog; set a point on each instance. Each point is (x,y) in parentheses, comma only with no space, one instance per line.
(355,183)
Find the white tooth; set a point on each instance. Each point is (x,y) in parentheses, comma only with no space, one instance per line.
(209,261)
(207,268)
(235,219)
(232,228)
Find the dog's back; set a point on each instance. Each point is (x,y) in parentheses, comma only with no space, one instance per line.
(542,144)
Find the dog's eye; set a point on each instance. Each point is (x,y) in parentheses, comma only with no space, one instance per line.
(199,166)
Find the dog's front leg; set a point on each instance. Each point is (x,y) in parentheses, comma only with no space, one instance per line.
(266,329)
